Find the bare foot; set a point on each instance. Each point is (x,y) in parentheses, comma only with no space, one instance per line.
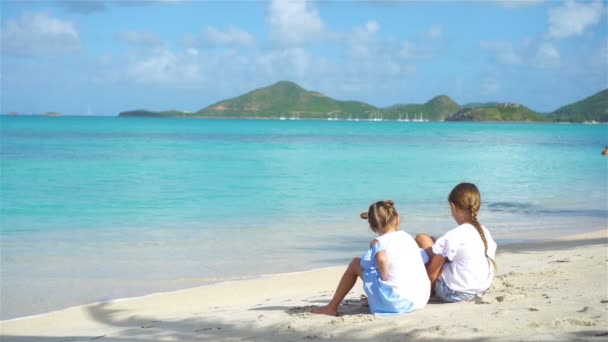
(325,310)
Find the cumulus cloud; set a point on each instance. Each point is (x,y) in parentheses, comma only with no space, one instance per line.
(295,61)
(294,23)
(212,37)
(415,51)
(145,38)
(573,18)
(547,56)
(38,33)
(363,42)
(192,51)
(502,52)
(435,32)
(165,66)
(423,45)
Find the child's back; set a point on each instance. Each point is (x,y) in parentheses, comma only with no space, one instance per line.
(407,274)
(469,268)
(392,270)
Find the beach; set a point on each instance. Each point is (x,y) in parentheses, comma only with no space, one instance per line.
(550,290)
(123,207)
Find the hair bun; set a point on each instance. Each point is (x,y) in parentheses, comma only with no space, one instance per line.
(389,203)
(364,215)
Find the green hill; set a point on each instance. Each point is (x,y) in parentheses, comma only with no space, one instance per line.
(437,109)
(592,108)
(479,104)
(498,112)
(287,99)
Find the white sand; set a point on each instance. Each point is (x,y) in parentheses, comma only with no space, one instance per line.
(556,290)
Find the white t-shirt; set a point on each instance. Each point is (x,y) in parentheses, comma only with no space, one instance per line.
(406,272)
(468,270)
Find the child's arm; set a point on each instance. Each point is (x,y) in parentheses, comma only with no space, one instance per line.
(435,267)
(381,260)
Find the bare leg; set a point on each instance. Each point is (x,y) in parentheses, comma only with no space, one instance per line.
(349,278)
(434,266)
(426,242)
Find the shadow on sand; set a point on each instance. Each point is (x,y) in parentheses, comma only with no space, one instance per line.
(139,328)
(198,328)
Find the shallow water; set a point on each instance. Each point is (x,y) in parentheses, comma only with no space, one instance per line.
(115,207)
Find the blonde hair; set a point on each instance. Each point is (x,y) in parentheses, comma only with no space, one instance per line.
(381,215)
(466,197)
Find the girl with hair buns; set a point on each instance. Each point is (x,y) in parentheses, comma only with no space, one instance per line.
(461,264)
(392,270)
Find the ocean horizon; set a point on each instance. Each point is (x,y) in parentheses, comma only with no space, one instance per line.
(101,208)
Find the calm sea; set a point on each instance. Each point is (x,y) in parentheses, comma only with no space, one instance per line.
(98,208)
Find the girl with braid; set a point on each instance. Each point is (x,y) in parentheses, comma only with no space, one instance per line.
(461,264)
(392,270)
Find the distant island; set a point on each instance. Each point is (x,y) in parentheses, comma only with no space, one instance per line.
(288,101)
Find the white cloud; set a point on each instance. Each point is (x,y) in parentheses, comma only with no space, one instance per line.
(372,27)
(144,38)
(192,51)
(231,37)
(363,42)
(212,37)
(573,18)
(294,23)
(39,33)
(503,52)
(547,56)
(288,61)
(407,51)
(415,51)
(165,66)
(435,32)
(422,45)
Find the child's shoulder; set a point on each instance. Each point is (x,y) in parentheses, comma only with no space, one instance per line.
(460,231)
(394,236)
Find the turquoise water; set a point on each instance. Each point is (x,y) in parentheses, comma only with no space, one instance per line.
(115,207)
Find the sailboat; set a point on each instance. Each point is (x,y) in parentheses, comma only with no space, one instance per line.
(401,119)
(419,119)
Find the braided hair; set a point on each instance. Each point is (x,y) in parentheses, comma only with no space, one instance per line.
(380,215)
(466,196)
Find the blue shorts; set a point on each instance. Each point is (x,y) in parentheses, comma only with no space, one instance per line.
(443,292)
(425,256)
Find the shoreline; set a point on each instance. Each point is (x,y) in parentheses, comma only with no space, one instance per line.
(307,119)
(160,293)
(523,287)
(517,245)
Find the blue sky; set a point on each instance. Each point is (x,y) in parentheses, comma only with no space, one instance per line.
(112,56)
